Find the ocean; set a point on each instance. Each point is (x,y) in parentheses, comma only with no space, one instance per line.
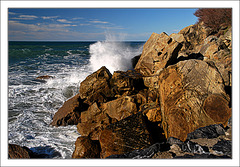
(32,103)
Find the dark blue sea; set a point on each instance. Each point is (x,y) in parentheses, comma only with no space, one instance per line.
(32,103)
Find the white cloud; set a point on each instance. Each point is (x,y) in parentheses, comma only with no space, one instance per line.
(84,24)
(28,16)
(28,28)
(25,17)
(12,13)
(49,17)
(77,18)
(64,21)
(97,21)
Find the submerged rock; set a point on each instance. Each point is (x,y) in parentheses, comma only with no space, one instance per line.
(43,77)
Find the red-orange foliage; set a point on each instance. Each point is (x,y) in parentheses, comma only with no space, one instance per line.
(214,18)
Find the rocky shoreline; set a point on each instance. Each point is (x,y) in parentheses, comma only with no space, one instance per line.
(176,103)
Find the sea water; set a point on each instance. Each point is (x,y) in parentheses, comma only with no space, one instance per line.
(32,103)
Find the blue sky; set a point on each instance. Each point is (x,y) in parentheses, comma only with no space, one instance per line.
(89,24)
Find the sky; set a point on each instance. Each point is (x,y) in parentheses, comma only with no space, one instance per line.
(93,24)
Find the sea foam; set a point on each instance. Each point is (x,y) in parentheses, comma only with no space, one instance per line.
(112,53)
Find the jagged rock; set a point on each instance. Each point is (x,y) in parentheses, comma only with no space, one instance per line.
(69,113)
(126,83)
(120,108)
(86,148)
(194,36)
(189,146)
(17,152)
(192,95)
(92,122)
(125,136)
(151,82)
(223,147)
(140,154)
(209,132)
(154,114)
(158,52)
(95,88)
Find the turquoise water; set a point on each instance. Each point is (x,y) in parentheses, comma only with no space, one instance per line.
(32,103)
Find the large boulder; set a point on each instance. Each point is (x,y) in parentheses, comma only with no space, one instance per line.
(126,83)
(93,121)
(69,113)
(120,108)
(86,148)
(95,88)
(192,95)
(125,136)
(158,52)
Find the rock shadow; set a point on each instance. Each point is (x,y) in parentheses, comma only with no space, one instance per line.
(197,56)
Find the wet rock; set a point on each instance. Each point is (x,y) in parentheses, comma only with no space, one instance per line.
(95,88)
(86,148)
(43,77)
(125,136)
(158,52)
(140,154)
(126,83)
(192,95)
(69,113)
(18,152)
(209,132)
(223,147)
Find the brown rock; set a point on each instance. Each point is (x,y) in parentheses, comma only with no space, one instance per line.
(120,108)
(44,77)
(158,52)
(17,152)
(92,122)
(191,95)
(125,136)
(69,113)
(126,83)
(194,36)
(95,88)
(154,114)
(86,148)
